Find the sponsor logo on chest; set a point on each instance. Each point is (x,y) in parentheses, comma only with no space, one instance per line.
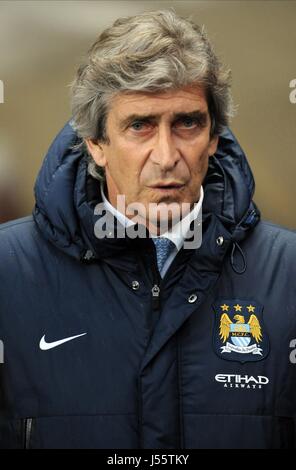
(242,381)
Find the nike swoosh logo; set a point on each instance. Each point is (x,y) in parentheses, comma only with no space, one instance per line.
(45,346)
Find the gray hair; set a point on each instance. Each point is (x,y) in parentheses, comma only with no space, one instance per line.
(150,52)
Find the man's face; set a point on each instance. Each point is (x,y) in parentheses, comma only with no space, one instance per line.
(159,146)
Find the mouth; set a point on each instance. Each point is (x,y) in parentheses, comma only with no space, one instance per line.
(171,186)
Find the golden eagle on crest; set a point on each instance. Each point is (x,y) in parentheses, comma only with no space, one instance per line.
(225,322)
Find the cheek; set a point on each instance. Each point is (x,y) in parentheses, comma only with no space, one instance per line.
(196,152)
(197,162)
(203,161)
(116,156)
(124,164)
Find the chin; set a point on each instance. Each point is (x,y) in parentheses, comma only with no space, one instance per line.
(166,219)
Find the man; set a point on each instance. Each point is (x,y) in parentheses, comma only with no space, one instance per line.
(113,340)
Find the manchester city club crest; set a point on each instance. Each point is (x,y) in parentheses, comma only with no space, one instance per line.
(239,333)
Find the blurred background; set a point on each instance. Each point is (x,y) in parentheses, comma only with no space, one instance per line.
(42,43)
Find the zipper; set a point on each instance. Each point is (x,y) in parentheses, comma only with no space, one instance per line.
(27,431)
(156,279)
(155,296)
(155,291)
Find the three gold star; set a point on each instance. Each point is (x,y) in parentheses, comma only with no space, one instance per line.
(250,308)
(225,308)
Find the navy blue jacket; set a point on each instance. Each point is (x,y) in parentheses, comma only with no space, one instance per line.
(206,364)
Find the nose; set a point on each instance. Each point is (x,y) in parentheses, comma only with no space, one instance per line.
(165,152)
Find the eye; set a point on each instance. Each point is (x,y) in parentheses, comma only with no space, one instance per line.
(138,125)
(186,123)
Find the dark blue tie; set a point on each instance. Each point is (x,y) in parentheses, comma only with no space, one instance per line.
(163,246)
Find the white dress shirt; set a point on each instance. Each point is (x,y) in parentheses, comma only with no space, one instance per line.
(176,234)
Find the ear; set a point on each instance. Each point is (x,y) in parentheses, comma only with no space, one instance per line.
(213,145)
(96,151)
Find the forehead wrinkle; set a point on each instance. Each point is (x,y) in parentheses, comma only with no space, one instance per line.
(148,105)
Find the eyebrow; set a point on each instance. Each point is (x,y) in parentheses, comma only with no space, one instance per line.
(200,116)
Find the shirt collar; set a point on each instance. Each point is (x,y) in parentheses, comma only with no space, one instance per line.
(125,221)
(178,232)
